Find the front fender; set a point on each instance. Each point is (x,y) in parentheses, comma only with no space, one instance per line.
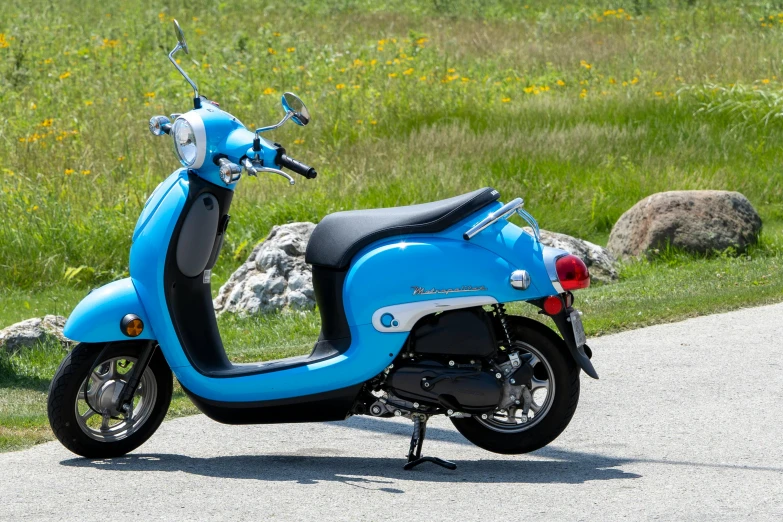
(96,319)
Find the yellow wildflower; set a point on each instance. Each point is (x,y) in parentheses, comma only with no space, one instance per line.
(356,86)
(88,103)
(408,72)
(392,75)
(373,62)
(359,121)
(47,122)
(271,51)
(149,94)
(33,106)
(583,94)
(765,81)
(451,70)
(635,80)
(505,100)
(86,172)
(290,49)
(269,90)
(48,61)
(422,78)
(561,83)
(65,75)
(3,41)
(298,141)
(584,64)
(465,80)
(120,158)
(68,172)
(339,86)
(373,122)
(275,34)
(612,81)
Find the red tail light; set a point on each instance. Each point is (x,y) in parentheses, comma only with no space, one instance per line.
(572,273)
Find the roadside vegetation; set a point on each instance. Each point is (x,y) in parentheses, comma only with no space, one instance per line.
(582,108)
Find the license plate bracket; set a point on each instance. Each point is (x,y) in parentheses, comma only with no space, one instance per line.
(579,331)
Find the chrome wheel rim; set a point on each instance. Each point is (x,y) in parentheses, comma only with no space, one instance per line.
(105,380)
(542,394)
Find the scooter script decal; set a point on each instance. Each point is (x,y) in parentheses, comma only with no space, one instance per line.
(419,290)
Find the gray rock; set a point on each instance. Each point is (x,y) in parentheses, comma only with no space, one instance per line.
(599,261)
(31,332)
(695,220)
(274,277)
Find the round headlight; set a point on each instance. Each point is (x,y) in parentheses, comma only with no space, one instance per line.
(185,142)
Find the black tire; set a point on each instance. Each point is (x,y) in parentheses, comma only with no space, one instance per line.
(566,397)
(67,384)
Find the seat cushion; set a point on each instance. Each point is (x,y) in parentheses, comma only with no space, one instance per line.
(339,236)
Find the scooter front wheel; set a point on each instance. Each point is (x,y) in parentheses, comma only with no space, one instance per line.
(82,399)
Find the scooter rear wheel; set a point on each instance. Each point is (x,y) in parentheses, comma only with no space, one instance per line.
(80,407)
(556,371)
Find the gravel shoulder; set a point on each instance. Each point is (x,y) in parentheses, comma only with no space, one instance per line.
(685,423)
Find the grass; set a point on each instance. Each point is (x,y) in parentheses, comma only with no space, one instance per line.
(583,108)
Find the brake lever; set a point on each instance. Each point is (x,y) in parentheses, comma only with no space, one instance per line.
(253,170)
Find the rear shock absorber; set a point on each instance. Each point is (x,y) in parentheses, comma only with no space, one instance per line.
(500,313)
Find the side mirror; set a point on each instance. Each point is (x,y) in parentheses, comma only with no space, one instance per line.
(180,37)
(292,104)
(183,45)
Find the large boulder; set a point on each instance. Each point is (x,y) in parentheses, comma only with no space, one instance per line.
(274,277)
(695,220)
(599,261)
(31,332)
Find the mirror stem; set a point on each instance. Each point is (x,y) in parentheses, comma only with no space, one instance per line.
(287,116)
(196,98)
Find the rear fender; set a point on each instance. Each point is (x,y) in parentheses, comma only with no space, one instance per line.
(96,319)
(566,343)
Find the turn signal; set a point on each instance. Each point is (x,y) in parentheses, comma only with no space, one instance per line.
(572,273)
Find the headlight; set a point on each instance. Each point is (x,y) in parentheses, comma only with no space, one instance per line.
(185,142)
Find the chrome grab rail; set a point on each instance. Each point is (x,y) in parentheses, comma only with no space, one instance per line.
(502,213)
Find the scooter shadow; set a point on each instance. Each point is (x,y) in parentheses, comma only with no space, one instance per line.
(559,467)
(367,470)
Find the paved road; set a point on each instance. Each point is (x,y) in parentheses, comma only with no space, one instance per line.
(686,423)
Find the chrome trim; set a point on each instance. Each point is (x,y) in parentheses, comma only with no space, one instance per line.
(406,314)
(550,256)
(501,213)
(519,279)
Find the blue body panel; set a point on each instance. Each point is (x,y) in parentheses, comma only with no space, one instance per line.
(97,317)
(382,274)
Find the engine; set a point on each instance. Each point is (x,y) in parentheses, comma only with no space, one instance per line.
(446,363)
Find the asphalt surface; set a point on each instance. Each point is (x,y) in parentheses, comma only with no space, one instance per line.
(686,423)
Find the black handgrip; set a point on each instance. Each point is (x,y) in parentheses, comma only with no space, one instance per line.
(296,166)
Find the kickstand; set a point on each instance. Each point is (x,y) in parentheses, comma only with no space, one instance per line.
(417,441)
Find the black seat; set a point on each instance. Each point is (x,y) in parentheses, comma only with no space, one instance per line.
(338,237)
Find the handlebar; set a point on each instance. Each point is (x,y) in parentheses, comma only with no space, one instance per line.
(296,166)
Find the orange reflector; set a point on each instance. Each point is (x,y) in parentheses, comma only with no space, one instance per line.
(131,325)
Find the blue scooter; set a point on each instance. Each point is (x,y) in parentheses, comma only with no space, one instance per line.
(411,301)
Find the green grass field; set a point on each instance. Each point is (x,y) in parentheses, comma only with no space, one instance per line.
(582,108)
